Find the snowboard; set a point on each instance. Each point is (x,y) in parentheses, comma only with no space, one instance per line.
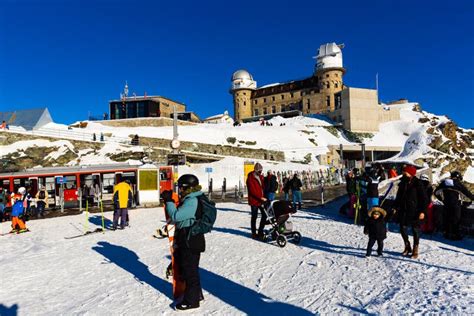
(15,232)
(178,283)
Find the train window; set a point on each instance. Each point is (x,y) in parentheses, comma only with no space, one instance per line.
(108,183)
(5,184)
(50,186)
(130,176)
(71,182)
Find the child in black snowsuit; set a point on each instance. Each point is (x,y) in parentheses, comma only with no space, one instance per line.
(376,229)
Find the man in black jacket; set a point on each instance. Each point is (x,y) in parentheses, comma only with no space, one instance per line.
(410,204)
(449,192)
(271,185)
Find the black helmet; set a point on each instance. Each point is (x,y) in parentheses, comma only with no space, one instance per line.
(456,175)
(188,181)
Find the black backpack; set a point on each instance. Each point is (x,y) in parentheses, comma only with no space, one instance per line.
(42,195)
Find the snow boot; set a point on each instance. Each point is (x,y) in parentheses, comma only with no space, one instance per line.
(407,250)
(185,306)
(414,255)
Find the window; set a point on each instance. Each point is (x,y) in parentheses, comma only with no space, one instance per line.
(327,75)
(328,101)
(283,97)
(302,93)
(340,118)
(255,112)
(245,103)
(291,95)
(245,93)
(338,104)
(337,75)
(255,102)
(336,85)
(265,111)
(328,85)
(264,100)
(308,103)
(274,109)
(273,98)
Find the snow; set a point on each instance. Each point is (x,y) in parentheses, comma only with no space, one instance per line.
(122,272)
(469,175)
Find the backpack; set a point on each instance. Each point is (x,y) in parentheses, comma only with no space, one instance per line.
(18,208)
(206,214)
(42,195)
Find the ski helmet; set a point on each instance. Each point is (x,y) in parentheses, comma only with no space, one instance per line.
(188,181)
(456,175)
(22,190)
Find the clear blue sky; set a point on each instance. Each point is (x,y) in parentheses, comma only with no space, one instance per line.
(74,56)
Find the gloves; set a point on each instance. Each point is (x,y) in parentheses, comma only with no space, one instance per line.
(167,196)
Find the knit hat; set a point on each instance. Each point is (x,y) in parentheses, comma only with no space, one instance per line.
(377,209)
(410,170)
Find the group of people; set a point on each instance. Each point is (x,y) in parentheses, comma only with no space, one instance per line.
(34,205)
(4,125)
(412,207)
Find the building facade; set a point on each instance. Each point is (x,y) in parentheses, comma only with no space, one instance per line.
(312,95)
(143,106)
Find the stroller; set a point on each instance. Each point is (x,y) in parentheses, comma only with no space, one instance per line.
(278,214)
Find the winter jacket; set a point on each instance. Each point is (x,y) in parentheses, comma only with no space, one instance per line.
(411,201)
(373,187)
(184,217)
(16,212)
(286,185)
(449,192)
(3,197)
(270,183)
(122,195)
(351,185)
(255,188)
(376,228)
(296,184)
(44,200)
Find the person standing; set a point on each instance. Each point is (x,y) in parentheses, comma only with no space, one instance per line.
(449,192)
(410,204)
(271,186)
(375,228)
(188,246)
(3,200)
(296,185)
(256,199)
(122,201)
(351,188)
(41,201)
(286,188)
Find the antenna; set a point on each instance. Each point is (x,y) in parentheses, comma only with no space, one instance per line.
(377,86)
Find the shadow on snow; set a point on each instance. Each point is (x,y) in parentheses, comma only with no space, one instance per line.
(97,220)
(9,311)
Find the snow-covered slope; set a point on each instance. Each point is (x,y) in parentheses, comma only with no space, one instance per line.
(122,272)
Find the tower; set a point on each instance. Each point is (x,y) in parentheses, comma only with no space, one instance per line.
(241,89)
(329,70)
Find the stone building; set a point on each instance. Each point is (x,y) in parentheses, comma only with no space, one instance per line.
(324,92)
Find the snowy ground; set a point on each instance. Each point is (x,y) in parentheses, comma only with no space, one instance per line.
(122,272)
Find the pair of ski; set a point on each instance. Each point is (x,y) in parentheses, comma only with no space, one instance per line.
(15,233)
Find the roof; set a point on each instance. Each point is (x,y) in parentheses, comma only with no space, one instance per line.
(28,119)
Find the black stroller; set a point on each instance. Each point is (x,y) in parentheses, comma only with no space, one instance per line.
(278,215)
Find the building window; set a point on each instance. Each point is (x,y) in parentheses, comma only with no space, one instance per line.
(255,112)
(291,95)
(302,93)
(283,97)
(338,104)
(328,101)
(308,103)
(264,100)
(337,75)
(265,111)
(245,103)
(327,75)
(255,102)
(245,93)
(274,109)
(273,98)
(328,85)
(336,85)
(340,118)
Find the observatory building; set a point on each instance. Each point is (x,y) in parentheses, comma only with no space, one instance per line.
(324,92)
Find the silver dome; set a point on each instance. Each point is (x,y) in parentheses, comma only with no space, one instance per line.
(241,74)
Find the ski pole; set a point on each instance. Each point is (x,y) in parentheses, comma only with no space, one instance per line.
(102,211)
(86,225)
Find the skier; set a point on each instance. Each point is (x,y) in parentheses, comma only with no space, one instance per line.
(410,203)
(122,201)
(271,186)
(375,228)
(41,202)
(255,188)
(449,192)
(296,185)
(188,247)
(19,205)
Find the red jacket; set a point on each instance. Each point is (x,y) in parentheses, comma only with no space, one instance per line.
(255,189)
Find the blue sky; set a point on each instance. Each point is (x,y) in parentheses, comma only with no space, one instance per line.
(74,56)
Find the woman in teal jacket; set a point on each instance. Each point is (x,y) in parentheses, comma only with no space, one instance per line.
(188,247)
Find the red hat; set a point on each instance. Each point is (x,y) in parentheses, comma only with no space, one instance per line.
(410,169)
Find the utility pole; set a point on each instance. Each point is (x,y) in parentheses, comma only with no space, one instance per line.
(175,146)
(362,145)
(377,86)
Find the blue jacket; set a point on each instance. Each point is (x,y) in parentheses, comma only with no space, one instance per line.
(184,215)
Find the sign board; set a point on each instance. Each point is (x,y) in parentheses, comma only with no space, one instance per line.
(176,159)
(60,180)
(208,170)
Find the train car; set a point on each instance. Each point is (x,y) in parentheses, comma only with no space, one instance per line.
(90,183)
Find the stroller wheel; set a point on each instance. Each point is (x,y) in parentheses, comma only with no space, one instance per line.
(296,237)
(281,241)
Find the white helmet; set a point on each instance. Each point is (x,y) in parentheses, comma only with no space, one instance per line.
(22,190)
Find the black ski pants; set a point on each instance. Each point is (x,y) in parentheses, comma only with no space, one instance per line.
(253,221)
(188,261)
(371,244)
(416,234)
(453,213)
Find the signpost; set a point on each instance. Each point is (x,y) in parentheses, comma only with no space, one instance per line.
(61,180)
(209,188)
